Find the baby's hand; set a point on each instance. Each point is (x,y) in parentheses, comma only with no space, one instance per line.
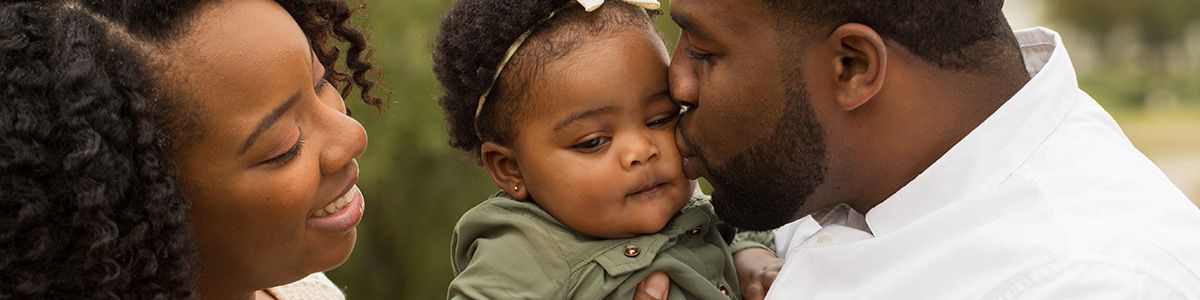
(756,270)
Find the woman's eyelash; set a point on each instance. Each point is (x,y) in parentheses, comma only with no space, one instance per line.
(321,85)
(290,154)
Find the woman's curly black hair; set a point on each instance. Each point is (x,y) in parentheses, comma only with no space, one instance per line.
(474,37)
(89,203)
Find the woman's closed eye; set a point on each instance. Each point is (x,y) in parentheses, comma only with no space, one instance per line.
(592,145)
(289,155)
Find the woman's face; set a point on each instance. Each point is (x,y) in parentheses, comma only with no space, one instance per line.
(269,165)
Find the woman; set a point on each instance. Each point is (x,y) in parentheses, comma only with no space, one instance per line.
(176,149)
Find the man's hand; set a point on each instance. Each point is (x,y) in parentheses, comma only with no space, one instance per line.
(756,270)
(654,287)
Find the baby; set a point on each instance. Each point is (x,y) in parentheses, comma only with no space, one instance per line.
(565,104)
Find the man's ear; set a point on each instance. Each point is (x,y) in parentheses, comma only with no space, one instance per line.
(504,169)
(860,64)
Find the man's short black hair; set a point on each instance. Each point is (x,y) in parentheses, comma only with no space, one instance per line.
(951,34)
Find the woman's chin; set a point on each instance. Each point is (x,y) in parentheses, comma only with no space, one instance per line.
(332,254)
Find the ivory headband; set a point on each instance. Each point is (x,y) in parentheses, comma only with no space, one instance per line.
(588,5)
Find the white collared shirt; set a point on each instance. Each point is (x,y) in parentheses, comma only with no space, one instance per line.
(1046,199)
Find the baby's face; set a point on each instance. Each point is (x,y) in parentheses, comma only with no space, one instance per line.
(599,151)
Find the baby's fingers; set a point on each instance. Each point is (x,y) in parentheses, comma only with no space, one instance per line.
(753,291)
(768,277)
(767,280)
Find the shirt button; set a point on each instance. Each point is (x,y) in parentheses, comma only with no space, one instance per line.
(724,290)
(824,240)
(695,230)
(632,251)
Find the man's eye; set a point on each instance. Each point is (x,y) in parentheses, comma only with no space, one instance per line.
(696,54)
(685,108)
(591,145)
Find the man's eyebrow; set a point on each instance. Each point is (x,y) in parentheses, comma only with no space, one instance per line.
(269,120)
(583,115)
(686,23)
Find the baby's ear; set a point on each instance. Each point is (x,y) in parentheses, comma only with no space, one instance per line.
(504,169)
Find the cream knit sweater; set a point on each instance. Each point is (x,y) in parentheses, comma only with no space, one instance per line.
(313,287)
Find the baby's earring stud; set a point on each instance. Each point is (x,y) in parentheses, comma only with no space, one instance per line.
(516,189)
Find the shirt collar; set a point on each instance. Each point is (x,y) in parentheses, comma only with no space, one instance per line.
(844,215)
(994,150)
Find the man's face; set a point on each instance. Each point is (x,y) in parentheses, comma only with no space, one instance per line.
(750,127)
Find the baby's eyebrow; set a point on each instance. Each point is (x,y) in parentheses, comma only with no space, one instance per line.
(658,96)
(591,113)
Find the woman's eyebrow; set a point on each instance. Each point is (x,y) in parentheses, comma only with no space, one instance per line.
(269,120)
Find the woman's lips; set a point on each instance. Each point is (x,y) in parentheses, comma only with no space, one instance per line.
(340,215)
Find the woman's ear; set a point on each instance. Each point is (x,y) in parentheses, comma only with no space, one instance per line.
(504,169)
(860,63)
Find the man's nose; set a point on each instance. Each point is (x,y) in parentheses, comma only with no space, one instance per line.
(682,78)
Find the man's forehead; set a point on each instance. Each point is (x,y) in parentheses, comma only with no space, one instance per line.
(717,15)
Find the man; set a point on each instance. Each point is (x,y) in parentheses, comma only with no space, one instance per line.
(942,155)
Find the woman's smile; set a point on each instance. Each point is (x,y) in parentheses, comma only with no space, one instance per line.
(340,215)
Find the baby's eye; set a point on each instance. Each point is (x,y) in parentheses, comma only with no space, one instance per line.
(664,120)
(592,145)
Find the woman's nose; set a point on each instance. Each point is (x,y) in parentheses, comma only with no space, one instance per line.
(347,141)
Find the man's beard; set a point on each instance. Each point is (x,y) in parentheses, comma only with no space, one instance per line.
(764,186)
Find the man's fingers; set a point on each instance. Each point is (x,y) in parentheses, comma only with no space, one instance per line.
(654,287)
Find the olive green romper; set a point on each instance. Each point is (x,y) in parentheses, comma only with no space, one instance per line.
(508,249)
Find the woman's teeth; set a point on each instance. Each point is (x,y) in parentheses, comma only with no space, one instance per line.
(338,204)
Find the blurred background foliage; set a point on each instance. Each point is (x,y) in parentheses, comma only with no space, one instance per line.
(1141,59)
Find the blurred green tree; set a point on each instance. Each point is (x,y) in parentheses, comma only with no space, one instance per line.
(1159,29)
(1157,22)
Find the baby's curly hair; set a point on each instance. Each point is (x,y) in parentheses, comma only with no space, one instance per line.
(476,34)
(89,203)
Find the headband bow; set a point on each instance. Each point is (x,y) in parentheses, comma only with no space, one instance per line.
(588,5)
(591,5)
